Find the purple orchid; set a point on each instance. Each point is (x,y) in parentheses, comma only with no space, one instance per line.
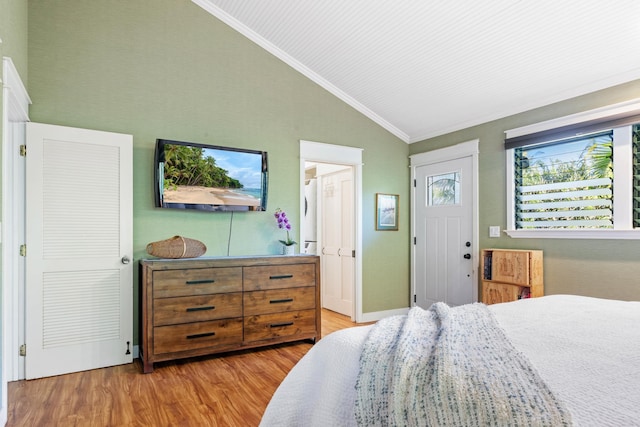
(283,223)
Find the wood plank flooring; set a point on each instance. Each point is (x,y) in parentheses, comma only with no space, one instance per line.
(221,390)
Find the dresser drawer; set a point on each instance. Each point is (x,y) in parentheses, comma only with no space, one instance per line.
(268,326)
(171,311)
(193,336)
(200,281)
(279,276)
(279,300)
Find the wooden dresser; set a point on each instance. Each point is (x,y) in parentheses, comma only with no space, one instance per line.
(510,274)
(193,307)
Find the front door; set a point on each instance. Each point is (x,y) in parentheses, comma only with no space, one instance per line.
(443,260)
(79,302)
(337,241)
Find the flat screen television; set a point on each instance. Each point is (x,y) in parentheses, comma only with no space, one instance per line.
(209,178)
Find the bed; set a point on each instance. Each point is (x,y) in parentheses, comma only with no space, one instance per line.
(585,351)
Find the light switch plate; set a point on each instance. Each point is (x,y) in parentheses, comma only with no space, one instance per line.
(494,231)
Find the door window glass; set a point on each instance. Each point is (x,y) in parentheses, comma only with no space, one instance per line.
(443,189)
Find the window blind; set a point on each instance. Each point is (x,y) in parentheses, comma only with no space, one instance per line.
(573,130)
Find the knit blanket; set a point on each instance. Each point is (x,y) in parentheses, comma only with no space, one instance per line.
(450,367)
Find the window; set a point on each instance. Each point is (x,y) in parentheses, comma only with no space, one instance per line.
(576,180)
(565,184)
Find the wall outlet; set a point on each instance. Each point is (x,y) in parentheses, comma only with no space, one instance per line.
(494,231)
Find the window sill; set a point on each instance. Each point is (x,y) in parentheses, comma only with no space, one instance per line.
(574,234)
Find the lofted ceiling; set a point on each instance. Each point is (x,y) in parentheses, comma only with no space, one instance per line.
(422,68)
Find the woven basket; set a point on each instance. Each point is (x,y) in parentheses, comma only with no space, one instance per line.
(177,247)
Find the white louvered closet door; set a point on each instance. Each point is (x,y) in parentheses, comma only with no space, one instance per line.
(79,276)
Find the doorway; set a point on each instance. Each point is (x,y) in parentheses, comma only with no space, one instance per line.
(331,160)
(445,225)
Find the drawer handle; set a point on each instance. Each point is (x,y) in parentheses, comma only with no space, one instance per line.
(281,276)
(206,334)
(200,282)
(278,301)
(204,308)
(278,325)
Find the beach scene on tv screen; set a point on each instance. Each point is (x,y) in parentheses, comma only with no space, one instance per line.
(209,176)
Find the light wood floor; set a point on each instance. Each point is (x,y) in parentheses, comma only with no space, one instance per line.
(223,390)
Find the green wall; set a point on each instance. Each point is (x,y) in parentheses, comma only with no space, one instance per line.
(13,32)
(168,69)
(598,268)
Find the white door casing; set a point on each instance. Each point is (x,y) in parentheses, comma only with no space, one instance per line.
(444,254)
(79,312)
(337,241)
(337,154)
(15,112)
(16,264)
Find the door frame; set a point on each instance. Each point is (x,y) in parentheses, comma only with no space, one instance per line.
(342,155)
(15,113)
(454,152)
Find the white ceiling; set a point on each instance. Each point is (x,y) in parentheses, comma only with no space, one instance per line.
(422,68)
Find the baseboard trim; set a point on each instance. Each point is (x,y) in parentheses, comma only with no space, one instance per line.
(374,316)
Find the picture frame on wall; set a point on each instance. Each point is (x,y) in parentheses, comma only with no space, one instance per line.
(387,212)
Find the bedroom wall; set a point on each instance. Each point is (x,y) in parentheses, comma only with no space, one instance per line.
(168,69)
(597,268)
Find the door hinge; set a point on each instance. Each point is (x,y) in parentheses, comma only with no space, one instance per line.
(414,298)
(353,253)
(415,183)
(415,240)
(23,150)
(23,350)
(23,250)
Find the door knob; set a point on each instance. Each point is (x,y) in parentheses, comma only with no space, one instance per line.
(125,259)
(467,256)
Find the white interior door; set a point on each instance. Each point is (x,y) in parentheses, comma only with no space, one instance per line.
(79,281)
(337,241)
(444,247)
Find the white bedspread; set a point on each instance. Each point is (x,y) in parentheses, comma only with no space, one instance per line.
(586,349)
